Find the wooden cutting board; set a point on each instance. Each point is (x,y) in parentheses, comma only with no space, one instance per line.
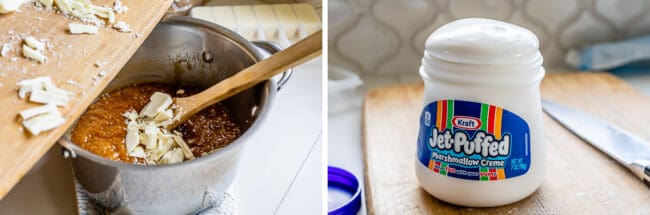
(72,58)
(580,179)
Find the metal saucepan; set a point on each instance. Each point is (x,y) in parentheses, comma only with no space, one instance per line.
(185,52)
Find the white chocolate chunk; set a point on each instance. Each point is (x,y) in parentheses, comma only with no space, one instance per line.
(168,142)
(46,3)
(181,143)
(45,109)
(48,97)
(146,131)
(130,115)
(22,92)
(6,48)
(158,102)
(44,91)
(104,12)
(82,29)
(164,145)
(44,122)
(151,136)
(39,81)
(50,87)
(7,6)
(34,43)
(84,10)
(118,7)
(173,156)
(164,116)
(132,138)
(64,6)
(27,86)
(122,27)
(138,152)
(33,54)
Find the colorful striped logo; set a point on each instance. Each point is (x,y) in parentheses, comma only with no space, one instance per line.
(473,141)
(439,167)
(492,174)
(489,122)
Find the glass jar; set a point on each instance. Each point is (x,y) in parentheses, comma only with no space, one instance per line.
(481,141)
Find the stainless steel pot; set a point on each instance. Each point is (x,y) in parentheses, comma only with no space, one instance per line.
(185,52)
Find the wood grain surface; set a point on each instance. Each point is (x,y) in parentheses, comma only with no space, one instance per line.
(72,58)
(579,179)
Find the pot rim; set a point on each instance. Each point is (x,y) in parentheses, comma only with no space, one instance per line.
(263,108)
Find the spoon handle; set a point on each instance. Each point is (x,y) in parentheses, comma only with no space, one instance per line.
(279,62)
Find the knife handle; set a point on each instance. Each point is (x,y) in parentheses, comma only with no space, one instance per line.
(646,178)
(641,168)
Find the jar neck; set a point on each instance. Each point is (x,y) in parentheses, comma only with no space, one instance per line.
(524,71)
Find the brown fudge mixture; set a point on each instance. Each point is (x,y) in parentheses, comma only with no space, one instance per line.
(102,128)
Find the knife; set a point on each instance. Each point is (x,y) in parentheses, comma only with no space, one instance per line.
(629,150)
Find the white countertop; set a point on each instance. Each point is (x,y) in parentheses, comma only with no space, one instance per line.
(280,170)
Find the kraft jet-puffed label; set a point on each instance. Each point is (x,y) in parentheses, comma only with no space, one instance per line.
(473,141)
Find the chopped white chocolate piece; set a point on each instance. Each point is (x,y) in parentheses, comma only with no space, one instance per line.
(34,43)
(130,115)
(118,7)
(82,29)
(64,6)
(186,149)
(6,48)
(122,27)
(48,97)
(35,81)
(164,116)
(180,92)
(164,144)
(27,86)
(49,86)
(43,122)
(7,6)
(148,132)
(158,102)
(46,3)
(173,156)
(132,138)
(138,152)
(151,136)
(104,12)
(46,117)
(43,90)
(33,54)
(84,10)
(44,109)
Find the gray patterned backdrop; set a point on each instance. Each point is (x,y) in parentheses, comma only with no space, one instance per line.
(385,38)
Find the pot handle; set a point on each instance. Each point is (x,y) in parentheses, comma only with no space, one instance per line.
(66,152)
(272,48)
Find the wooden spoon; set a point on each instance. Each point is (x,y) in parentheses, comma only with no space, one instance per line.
(279,62)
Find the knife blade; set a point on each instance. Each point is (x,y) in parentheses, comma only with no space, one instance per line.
(621,145)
